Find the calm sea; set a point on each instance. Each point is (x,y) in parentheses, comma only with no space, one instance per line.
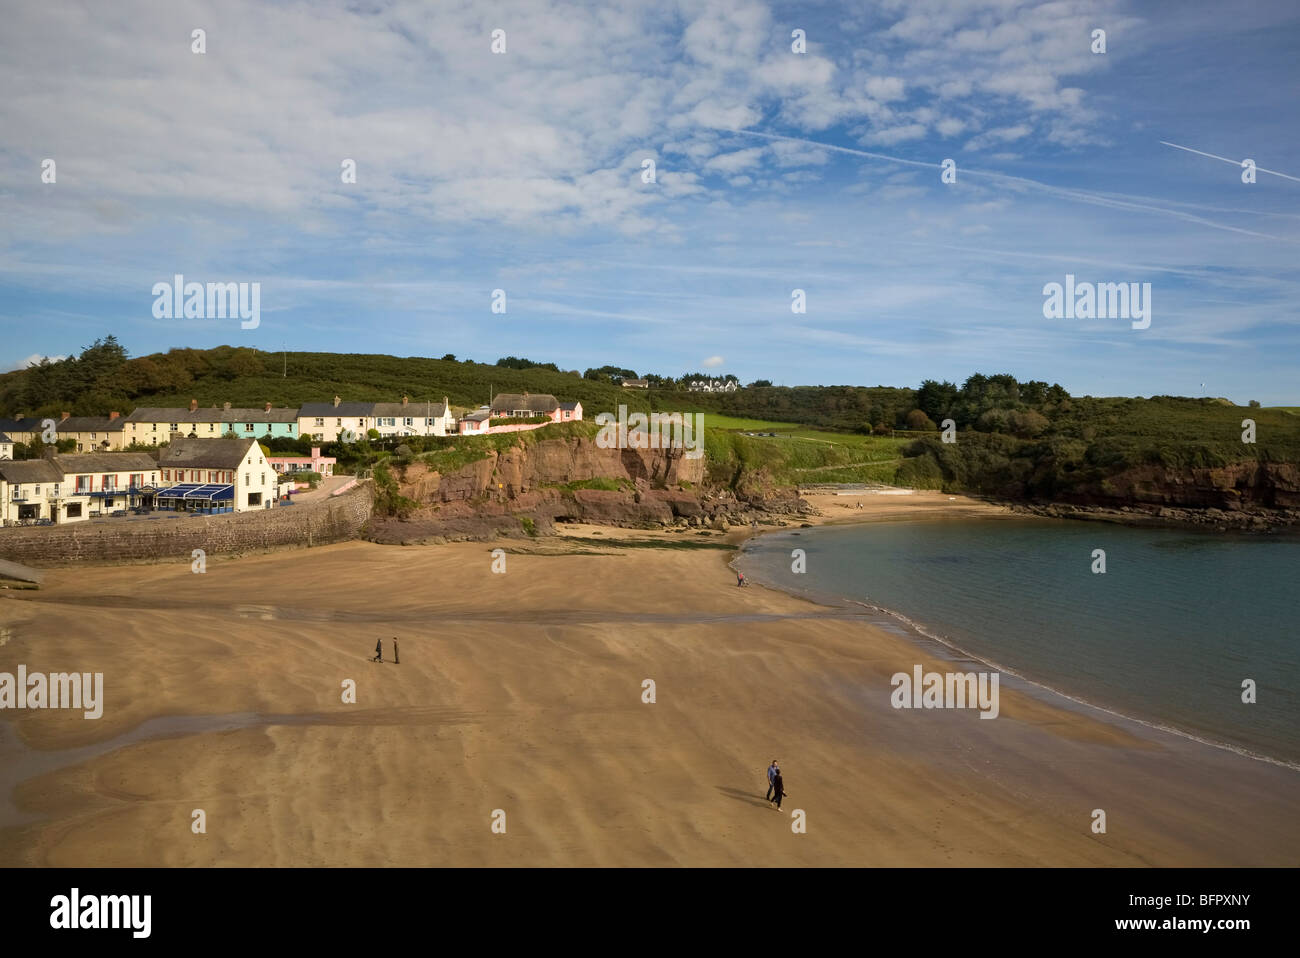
(1166,635)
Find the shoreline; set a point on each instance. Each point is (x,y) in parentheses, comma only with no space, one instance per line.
(925,638)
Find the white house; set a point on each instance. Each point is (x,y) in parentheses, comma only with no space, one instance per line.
(408,418)
(215,475)
(72,488)
(6,447)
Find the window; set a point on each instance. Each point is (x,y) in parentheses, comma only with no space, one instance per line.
(263,478)
(167,475)
(338,423)
(37,492)
(408,421)
(137,479)
(319,421)
(110,483)
(56,490)
(254,498)
(94,435)
(74,510)
(175,427)
(212,427)
(248,427)
(108,502)
(248,479)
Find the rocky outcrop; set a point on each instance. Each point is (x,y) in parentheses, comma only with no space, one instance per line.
(532,487)
(1247,495)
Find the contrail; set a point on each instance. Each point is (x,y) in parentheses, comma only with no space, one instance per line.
(1083,196)
(1237,163)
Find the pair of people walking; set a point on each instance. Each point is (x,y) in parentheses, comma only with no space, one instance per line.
(379,652)
(775,784)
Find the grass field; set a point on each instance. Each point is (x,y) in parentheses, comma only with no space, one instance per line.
(799,454)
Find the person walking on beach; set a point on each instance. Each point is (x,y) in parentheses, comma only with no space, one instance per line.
(396,659)
(778,789)
(773,771)
(379,651)
(740,579)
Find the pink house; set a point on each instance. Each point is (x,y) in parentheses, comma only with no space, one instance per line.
(323,465)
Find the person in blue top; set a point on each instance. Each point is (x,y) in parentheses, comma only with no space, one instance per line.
(772,772)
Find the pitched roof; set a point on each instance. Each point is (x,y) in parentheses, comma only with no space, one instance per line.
(179,415)
(4,437)
(534,402)
(477,416)
(72,463)
(30,424)
(417,409)
(30,470)
(572,406)
(90,424)
(342,409)
(205,453)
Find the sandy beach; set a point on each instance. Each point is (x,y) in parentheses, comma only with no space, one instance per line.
(522,692)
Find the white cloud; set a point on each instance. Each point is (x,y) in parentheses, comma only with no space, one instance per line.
(713,362)
(32,360)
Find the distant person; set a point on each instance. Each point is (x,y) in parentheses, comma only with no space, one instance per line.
(396,659)
(379,651)
(740,579)
(778,789)
(773,771)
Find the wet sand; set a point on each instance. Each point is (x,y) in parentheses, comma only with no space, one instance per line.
(523,692)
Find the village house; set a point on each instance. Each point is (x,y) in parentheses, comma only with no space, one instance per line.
(570,411)
(215,475)
(288,465)
(22,430)
(74,487)
(475,423)
(408,418)
(93,433)
(152,426)
(24,487)
(326,422)
(525,405)
(6,447)
(636,384)
(712,386)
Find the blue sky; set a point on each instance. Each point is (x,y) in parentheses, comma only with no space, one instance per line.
(522,171)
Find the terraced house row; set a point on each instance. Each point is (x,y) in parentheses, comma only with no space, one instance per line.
(191,475)
(325,422)
(318,421)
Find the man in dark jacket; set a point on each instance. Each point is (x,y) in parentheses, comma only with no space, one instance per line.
(778,789)
(773,771)
(379,651)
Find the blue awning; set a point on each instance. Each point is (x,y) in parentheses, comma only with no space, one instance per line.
(191,491)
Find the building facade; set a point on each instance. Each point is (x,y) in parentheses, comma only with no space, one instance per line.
(215,475)
(151,426)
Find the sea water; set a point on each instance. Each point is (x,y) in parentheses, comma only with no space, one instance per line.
(1167,634)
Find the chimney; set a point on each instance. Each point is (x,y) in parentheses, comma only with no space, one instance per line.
(194,405)
(337,400)
(113,415)
(405,399)
(48,452)
(268,407)
(65,417)
(226,406)
(174,436)
(315,452)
